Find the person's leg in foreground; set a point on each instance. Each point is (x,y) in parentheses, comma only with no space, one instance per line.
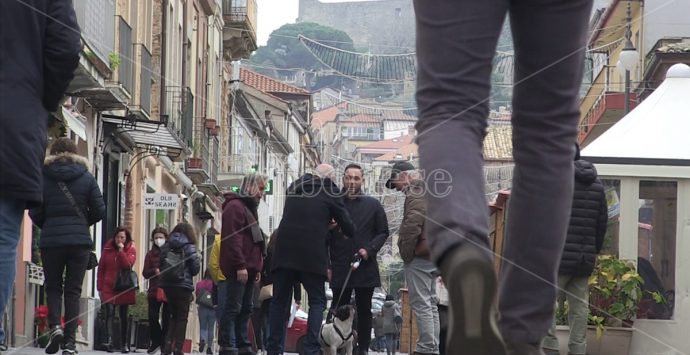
(155,331)
(11,213)
(54,262)
(456,42)
(76,264)
(576,290)
(242,325)
(420,275)
(279,310)
(314,284)
(363,297)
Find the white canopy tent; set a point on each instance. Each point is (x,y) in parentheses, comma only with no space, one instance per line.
(644,161)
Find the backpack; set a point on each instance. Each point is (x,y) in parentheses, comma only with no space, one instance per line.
(172,265)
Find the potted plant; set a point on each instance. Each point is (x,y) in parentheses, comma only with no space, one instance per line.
(194,162)
(41,323)
(615,292)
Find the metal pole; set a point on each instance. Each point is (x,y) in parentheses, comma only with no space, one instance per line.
(626,107)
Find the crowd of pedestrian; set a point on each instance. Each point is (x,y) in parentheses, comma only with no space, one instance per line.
(330,233)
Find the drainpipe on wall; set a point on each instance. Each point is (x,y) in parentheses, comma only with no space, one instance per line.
(179,175)
(164,37)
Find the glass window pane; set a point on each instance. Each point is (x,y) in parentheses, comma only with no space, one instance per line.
(657,246)
(611,240)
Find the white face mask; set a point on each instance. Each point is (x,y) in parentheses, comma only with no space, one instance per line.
(159,242)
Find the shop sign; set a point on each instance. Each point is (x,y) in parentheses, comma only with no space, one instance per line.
(161,201)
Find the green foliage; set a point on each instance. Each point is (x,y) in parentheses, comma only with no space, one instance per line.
(615,291)
(114,59)
(89,54)
(35,245)
(140,310)
(392,276)
(284,50)
(562,311)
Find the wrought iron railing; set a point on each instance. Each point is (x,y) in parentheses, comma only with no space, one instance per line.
(179,112)
(241,11)
(146,75)
(97,24)
(125,58)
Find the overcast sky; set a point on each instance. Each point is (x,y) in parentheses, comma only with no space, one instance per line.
(275,13)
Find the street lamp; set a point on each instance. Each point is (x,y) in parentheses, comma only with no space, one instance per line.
(629,58)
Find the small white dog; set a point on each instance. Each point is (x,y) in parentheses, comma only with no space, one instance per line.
(338,335)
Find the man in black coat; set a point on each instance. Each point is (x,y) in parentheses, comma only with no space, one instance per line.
(301,253)
(370,220)
(39,51)
(586,231)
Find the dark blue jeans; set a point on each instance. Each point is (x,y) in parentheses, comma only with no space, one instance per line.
(11,213)
(236,302)
(284,281)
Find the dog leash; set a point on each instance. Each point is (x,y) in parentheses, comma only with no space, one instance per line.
(354,265)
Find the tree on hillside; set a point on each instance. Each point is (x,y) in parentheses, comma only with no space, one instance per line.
(284,50)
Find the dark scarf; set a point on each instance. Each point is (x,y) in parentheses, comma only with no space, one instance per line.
(251,205)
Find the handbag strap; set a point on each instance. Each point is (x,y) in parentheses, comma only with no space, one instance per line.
(69,196)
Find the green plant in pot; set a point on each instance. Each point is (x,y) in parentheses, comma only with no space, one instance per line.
(140,310)
(615,291)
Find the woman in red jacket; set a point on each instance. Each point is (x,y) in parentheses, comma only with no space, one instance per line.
(119,254)
(155,293)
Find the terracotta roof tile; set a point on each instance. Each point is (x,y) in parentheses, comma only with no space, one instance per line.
(498,144)
(267,84)
(328,114)
(362,118)
(404,151)
(392,143)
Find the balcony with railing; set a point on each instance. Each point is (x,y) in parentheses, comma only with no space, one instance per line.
(239,33)
(125,59)
(198,167)
(178,112)
(603,106)
(235,165)
(141,98)
(97,22)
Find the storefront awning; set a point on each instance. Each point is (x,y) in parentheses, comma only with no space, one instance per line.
(74,123)
(150,135)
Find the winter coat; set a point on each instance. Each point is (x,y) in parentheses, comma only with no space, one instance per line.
(40,45)
(310,205)
(392,318)
(411,232)
(60,223)
(178,241)
(588,219)
(214,261)
(378,326)
(238,250)
(204,284)
(371,233)
(267,275)
(152,262)
(112,261)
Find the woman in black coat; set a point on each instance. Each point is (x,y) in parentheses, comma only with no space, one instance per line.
(72,202)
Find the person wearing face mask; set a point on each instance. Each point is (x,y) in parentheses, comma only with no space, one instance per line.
(155,295)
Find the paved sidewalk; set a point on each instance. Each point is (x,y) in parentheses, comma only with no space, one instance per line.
(39,351)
